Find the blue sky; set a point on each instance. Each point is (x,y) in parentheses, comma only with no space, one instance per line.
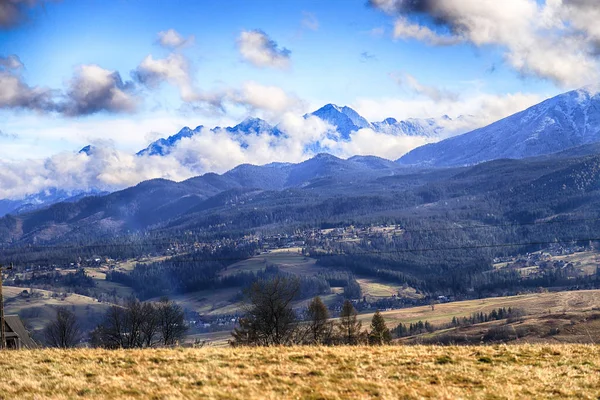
(327,63)
(96,71)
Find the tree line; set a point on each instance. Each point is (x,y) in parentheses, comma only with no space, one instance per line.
(270,319)
(133,325)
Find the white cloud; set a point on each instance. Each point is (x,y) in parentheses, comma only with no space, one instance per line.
(105,169)
(94,89)
(407,30)
(257,48)
(174,69)
(15,93)
(556,40)
(369,142)
(272,99)
(171,39)
(477,110)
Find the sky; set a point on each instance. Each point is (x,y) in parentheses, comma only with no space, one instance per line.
(119,74)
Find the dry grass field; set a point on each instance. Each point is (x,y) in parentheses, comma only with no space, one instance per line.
(287,260)
(532,304)
(400,372)
(39,309)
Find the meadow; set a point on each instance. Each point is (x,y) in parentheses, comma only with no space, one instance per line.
(405,372)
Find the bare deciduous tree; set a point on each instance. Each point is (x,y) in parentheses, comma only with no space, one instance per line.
(64,330)
(139,325)
(170,322)
(269,318)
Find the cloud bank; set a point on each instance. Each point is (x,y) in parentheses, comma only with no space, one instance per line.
(556,40)
(218,150)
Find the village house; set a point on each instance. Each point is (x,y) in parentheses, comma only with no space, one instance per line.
(17,336)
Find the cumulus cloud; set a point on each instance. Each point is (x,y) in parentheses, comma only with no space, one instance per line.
(94,89)
(171,39)
(368,142)
(556,40)
(174,69)
(15,93)
(14,12)
(264,97)
(406,30)
(432,92)
(257,48)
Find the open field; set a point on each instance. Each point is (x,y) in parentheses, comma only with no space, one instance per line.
(571,327)
(288,260)
(373,289)
(408,372)
(130,264)
(38,309)
(533,304)
(99,275)
(209,302)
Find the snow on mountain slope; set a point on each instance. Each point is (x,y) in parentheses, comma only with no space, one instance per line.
(567,120)
(430,128)
(345,119)
(44,199)
(163,146)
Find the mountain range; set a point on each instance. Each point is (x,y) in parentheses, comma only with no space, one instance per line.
(322,191)
(344,119)
(556,125)
(568,120)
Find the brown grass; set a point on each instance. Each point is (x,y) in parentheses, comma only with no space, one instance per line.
(401,372)
(533,304)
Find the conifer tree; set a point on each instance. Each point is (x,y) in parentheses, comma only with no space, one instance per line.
(349,326)
(380,334)
(319,328)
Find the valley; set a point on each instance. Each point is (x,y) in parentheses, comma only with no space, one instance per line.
(490,216)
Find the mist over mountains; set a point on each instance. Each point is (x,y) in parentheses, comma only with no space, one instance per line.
(342,121)
(557,124)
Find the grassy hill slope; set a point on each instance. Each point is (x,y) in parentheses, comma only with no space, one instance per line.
(37,309)
(498,372)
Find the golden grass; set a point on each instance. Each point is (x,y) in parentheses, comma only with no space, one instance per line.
(401,372)
(533,304)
